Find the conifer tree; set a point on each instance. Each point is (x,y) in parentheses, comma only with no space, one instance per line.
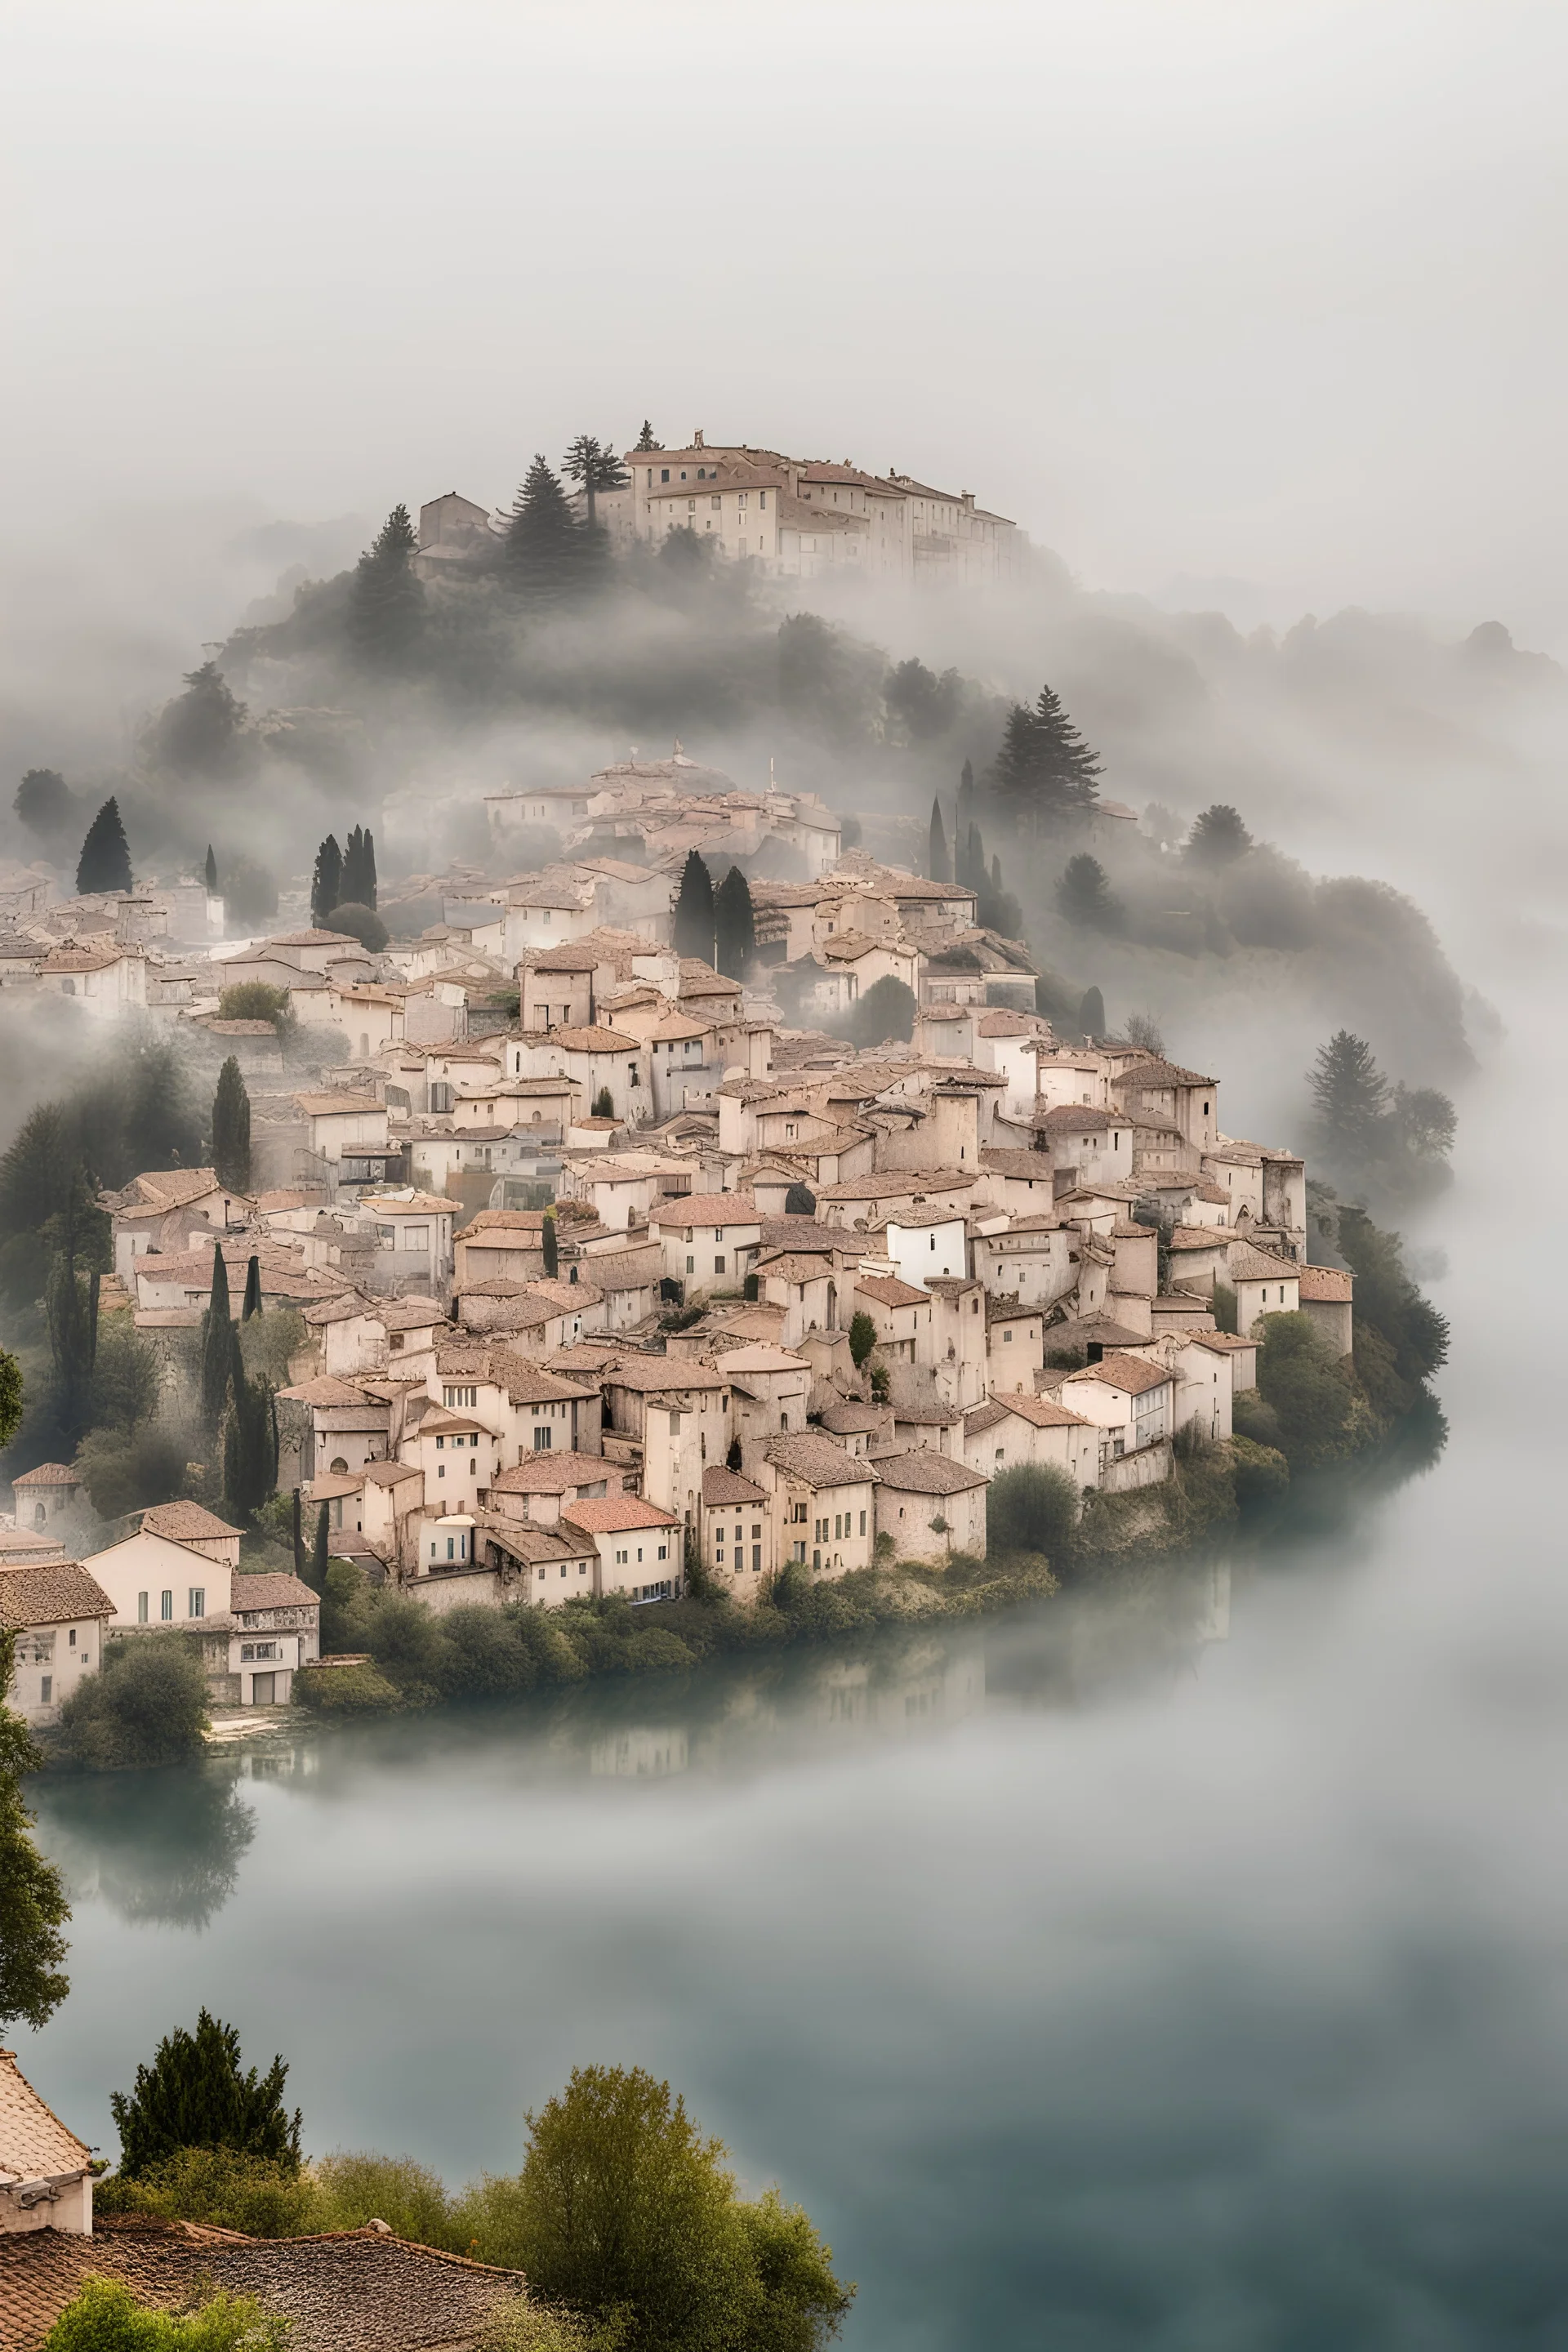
(1351,1097)
(326,883)
(209,873)
(800,1200)
(201,731)
(386,602)
(220,1346)
(693,922)
(231,1128)
(594,466)
(74,1238)
(1218,837)
(299,1534)
(940,870)
(248,1460)
(645,438)
(105,860)
(547,558)
(320,1551)
(356,880)
(552,1246)
(1084,894)
(1044,771)
(966,811)
(252,1305)
(734,927)
(996,876)
(1091,1014)
(974,860)
(195,2094)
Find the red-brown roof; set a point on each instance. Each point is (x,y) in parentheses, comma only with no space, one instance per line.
(604,1515)
(52,1594)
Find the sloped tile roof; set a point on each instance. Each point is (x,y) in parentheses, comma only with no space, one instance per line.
(51,1594)
(33,2140)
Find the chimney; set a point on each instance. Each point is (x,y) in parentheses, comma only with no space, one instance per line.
(697,439)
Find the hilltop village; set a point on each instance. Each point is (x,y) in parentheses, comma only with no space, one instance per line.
(610,1278)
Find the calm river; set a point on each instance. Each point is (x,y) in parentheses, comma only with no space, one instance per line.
(1184,1974)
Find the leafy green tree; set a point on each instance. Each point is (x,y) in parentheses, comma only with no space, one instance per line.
(209,873)
(623,2210)
(197,2093)
(361,923)
(223,2189)
(1300,1376)
(231,1128)
(127,1468)
(594,466)
(1033,1508)
(551,1244)
(44,804)
(1218,837)
(158,1127)
(221,1365)
(104,2315)
(1425,1121)
(256,1000)
(936,863)
(1351,1097)
(693,924)
(1084,895)
(1401,1339)
(1044,772)
(862,1337)
(32,1906)
(386,599)
(12,1397)
(33,1174)
(147,1705)
(105,861)
(645,438)
(885,1013)
(547,555)
(800,1200)
(1091,1014)
(250,891)
(921,706)
(830,684)
(734,926)
(202,732)
(326,881)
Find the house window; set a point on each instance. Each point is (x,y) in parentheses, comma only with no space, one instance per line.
(451,1552)
(663,1552)
(719,1263)
(195,1599)
(141,1609)
(756,1555)
(620,1560)
(71,1638)
(862,1522)
(46,1689)
(690,1262)
(166,1606)
(454,1397)
(541,1440)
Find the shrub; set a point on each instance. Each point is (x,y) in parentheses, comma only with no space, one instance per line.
(1251,1418)
(222,2187)
(1300,1378)
(126,1472)
(253,999)
(361,923)
(104,2316)
(344,1690)
(352,2187)
(1262,1472)
(147,1705)
(194,2094)
(862,1337)
(885,1013)
(1035,1508)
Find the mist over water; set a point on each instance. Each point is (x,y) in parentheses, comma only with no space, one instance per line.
(1094,1981)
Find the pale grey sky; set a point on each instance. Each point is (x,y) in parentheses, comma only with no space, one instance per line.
(1215,288)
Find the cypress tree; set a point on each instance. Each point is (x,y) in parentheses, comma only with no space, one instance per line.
(734,927)
(194,2094)
(367,869)
(70,1298)
(1091,1014)
(386,604)
(1083,895)
(317,1579)
(299,1534)
(105,861)
(940,870)
(231,1128)
(220,1347)
(209,873)
(1044,771)
(975,862)
(996,876)
(552,1244)
(965,809)
(252,1289)
(249,1464)
(693,924)
(326,883)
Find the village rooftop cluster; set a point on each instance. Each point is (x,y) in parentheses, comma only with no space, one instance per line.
(1036,1230)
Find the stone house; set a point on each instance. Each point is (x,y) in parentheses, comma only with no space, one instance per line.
(57,1616)
(929,1505)
(770,1392)
(739,1537)
(46,1495)
(1131,1402)
(638,1545)
(1008,1432)
(710,1240)
(903,1314)
(540,1486)
(1325,1295)
(1015,1345)
(1263,1284)
(823,1504)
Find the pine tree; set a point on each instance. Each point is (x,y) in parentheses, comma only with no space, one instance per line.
(645,438)
(105,860)
(1351,1097)
(594,466)
(693,920)
(194,2094)
(209,873)
(252,1305)
(548,557)
(940,870)
(231,1128)
(551,1245)
(1218,837)
(220,1347)
(386,602)
(326,883)
(201,731)
(1044,771)
(734,927)
(1084,897)
(1091,1014)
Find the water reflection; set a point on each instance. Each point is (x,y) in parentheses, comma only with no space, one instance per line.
(160,1849)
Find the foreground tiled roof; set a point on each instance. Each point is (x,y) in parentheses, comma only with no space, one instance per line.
(1249,1264)
(33,2140)
(50,1594)
(355,2291)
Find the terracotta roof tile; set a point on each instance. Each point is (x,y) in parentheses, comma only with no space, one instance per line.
(51,1594)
